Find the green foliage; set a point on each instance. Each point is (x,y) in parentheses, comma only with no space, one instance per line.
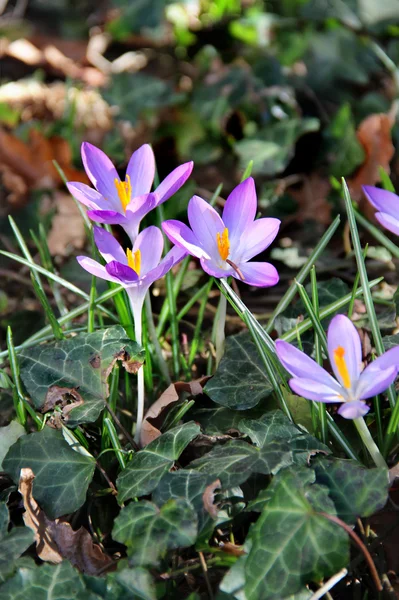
(62,475)
(355,490)
(147,466)
(83,362)
(8,437)
(148,531)
(240,363)
(12,544)
(292,515)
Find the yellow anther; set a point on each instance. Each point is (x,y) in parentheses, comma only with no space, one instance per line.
(124,189)
(339,359)
(134,260)
(223,243)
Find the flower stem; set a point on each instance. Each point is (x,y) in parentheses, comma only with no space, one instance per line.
(154,339)
(368,441)
(219,327)
(137,310)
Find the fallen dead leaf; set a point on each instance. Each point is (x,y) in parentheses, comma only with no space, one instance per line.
(230,548)
(150,430)
(208,498)
(56,540)
(32,163)
(67,227)
(374,133)
(61,396)
(312,199)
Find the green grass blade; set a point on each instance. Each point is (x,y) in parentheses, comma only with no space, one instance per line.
(377,234)
(198,326)
(18,395)
(55,326)
(303,273)
(319,355)
(317,326)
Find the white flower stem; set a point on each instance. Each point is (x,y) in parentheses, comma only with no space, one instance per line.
(137,309)
(219,327)
(370,444)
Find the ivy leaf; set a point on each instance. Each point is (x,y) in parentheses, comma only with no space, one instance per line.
(83,362)
(62,475)
(8,437)
(12,544)
(390,341)
(240,381)
(291,543)
(58,582)
(137,584)
(189,485)
(147,466)
(234,461)
(148,531)
(355,490)
(275,425)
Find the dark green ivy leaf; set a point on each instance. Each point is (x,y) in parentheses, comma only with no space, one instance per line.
(82,362)
(240,381)
(62,475)
(148,531)
(292,543)
(147,466)
(355,490)
(12,544)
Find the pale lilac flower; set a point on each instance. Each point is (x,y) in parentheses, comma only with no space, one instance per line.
(125,202)
(351,385)
(135,269)
(387,205)
(225,245)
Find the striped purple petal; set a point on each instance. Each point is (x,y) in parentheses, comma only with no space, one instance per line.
(141,170)
(121,272)
(344,350)
(353,410)
(110,217)
(101,172)
(314,390)
(174,181)
(109,248)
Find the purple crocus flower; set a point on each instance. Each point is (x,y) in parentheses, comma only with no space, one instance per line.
(135,269)
(126,202)
(351,385)
(225,245)
(387,205)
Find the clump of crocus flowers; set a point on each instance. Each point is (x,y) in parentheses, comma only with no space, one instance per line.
(223,245)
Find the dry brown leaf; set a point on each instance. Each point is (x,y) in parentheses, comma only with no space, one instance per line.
(150,431)
(56,540)
(67,227)
(32,161)
(36,520)
(208,498)
(374,134)
(312,199)
(61,396)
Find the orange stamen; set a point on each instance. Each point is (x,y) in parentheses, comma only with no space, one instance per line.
(223,243)
(339,359)
(134,260)
(124,189)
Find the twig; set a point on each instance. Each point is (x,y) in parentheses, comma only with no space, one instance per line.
(205,571)
(358,541)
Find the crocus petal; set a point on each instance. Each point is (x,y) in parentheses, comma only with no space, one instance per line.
(141,170)
(382,200)
(344,350)
(174,181)
(150,244)
(353,410)
(209,267)
(111,217)
(182,236)
(121,272)
(314,390)
(109,248)
(101,172)
(260,274)
(388,221)
(390,358)
(139,206)
(93,267)
(206,224)
(300,364)
(87,195)
(257,237)
(240,208)
(373,382)
(174,256)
